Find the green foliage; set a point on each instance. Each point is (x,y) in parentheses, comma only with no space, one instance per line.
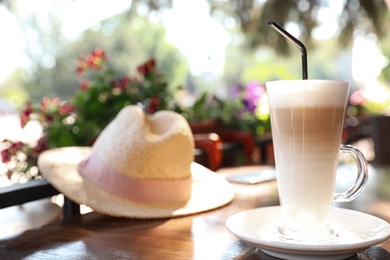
(271,71)
(79,121)
(243,109)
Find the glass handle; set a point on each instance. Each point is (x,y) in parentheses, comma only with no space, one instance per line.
(361,178)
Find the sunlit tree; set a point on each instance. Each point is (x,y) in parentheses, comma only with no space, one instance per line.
(368,16)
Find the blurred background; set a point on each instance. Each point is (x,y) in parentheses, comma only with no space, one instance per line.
(200,45)
(213,58)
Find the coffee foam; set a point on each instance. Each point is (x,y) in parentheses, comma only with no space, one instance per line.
(288,93)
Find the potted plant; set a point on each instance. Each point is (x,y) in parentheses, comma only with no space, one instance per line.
(78,121)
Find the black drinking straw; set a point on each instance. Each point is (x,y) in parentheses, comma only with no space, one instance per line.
(295,41)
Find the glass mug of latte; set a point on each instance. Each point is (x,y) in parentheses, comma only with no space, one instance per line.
(307,119)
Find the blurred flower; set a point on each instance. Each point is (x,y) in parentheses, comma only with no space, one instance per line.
(252,95)
(242,109)
(148,67)
(372,99)
(93,61)
(25,114)
(11,150)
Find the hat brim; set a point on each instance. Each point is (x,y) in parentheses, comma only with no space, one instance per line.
(59,167)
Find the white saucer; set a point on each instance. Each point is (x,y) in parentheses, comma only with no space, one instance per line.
(357,231)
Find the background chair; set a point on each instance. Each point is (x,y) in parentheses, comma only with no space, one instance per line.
(211,144)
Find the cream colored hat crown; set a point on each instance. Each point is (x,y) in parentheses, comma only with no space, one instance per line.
(158,146)
(140,166)
(150,153)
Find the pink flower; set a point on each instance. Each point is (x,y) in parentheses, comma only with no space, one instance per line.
(93,61)
(152,106)
(122,84)
(25,115)
(5,156)
(253,92)
(65,109)
(13,148)
(358,98)
(84,85)
(48,103)
(41,145)
(148,67)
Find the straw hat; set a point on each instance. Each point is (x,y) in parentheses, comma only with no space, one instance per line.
(141,166)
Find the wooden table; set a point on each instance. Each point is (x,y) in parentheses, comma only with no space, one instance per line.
(200,236)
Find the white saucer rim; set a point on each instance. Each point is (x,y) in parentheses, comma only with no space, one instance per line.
(293,247)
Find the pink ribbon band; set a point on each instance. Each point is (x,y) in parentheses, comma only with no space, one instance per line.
(140,190)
